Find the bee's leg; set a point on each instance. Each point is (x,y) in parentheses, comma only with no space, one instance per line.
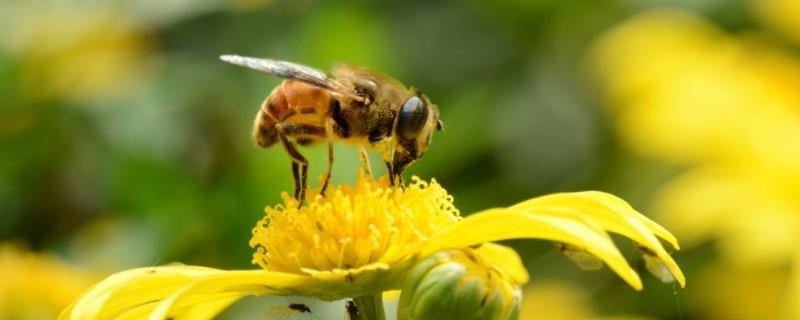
(396,177)
(297,159)
(390,172)
(395,174)
(296,176)
(365,160)
(400,165)
(330,167)
(292,129)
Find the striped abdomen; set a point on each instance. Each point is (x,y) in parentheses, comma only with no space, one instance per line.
(291,105)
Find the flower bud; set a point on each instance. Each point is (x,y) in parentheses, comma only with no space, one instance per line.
(458,284)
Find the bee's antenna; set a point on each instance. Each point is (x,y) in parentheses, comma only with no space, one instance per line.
(440,126)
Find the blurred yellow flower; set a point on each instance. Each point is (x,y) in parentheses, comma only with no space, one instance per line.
(36,286)
(75,52)
(781,15)
(728,107)
(362,240)
(686,92)
(752,213)
(731,292)
(554,300)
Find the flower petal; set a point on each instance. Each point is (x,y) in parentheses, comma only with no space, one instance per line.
(177,291)
(505,258)
(504,224)
(579,219)
(207,295)
(614,215)
(129,290)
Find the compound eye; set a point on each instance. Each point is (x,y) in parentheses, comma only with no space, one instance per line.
(412,118)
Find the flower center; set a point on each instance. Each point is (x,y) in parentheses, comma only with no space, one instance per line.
(352,227)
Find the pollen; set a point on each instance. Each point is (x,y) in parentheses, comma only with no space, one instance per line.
(352,226)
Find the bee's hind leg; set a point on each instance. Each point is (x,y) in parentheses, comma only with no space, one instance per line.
(302,162)
(285,129)
(296,177)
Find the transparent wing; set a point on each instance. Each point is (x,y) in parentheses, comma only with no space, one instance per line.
(289,70)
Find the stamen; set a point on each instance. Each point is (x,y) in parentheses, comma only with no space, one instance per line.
(351,227)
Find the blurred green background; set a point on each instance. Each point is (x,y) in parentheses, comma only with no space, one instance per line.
(125,142)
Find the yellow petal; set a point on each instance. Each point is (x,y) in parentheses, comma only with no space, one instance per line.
(613,215)
(210,294)
(130,289)
(504,224)
(580,219)
(177,291)
(505,258)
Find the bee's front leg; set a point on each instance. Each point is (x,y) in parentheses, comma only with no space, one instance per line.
(365,161)
(390,172)
(398,166)
(395,176)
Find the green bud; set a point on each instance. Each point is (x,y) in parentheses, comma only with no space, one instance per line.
(458,284)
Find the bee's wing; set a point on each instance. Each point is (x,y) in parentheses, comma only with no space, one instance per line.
(289,70)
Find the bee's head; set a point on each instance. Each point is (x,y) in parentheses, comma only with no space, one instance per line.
(416,120)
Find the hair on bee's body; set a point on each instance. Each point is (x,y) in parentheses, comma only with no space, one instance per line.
(354,105)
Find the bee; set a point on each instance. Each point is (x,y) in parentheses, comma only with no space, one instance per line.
(353,104)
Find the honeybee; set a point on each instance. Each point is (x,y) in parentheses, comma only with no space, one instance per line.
(352,104)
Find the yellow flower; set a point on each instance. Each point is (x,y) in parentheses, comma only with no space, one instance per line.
(36,286)
(781,15)
(554,300)
(685,92)
(76,52)
(728,292)
(363,240)
(368,226)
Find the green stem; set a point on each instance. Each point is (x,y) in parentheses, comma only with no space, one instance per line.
(370,307)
